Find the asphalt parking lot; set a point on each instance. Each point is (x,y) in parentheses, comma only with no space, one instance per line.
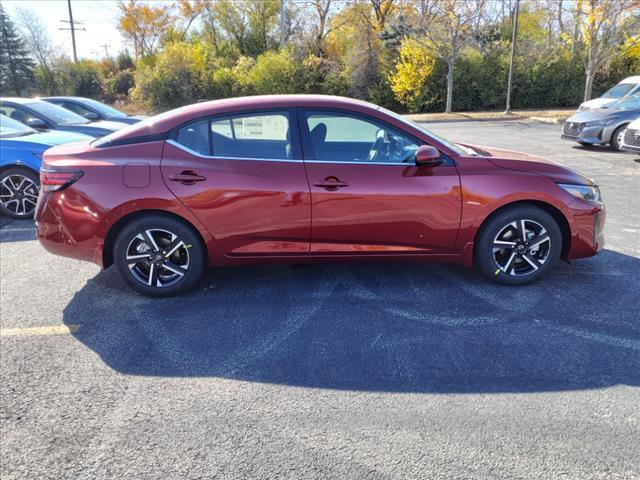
(332,371)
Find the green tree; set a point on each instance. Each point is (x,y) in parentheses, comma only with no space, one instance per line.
(16,65)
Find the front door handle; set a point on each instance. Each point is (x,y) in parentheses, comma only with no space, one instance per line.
(187,177)
(330,183)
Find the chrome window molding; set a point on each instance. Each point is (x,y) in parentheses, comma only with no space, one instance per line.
(284,160)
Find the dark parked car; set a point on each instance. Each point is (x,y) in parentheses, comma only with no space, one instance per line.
(305,178)
(93,110)
(603,126)
(43,116)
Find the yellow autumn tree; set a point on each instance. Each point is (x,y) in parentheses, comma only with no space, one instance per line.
(413,68)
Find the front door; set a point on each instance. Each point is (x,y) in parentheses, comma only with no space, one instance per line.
(368,195)
(244,178)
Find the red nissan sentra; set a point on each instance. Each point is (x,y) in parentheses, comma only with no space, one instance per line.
(301,178)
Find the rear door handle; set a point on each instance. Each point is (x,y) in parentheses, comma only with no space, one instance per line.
(330,183)
(187,177)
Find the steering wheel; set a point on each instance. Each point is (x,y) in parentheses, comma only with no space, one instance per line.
(377,148)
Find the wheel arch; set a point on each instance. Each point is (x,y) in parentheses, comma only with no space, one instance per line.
(116,228)
(556,213)
(21,166)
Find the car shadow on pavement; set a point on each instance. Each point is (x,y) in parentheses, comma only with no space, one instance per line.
(377,327)
(12,230)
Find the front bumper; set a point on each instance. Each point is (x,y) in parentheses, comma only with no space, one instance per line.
(587,236)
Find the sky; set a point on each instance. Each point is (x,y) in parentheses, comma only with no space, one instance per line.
(98,17)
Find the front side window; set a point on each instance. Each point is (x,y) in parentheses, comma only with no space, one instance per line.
(252,136)
(341,137)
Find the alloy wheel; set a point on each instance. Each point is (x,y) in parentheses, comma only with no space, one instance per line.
(157,258)
(18,195)
(521,247)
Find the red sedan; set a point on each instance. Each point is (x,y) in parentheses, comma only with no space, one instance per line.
(302,178)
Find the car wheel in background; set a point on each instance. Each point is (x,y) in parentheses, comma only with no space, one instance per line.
(617,137)
(19,189)
(159,256)
(518,245)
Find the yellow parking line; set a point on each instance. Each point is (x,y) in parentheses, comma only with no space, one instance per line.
(44,330)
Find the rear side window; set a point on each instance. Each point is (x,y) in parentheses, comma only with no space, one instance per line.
(195,136)
(264,135)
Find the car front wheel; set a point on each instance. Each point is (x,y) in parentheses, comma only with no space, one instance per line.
(159,256)
(617,137)
(519,245)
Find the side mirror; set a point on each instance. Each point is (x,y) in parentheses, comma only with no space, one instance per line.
(36,123)
(91,116)
(427,156)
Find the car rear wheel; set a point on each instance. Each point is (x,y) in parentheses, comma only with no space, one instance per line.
(159,256)
(519,245)
(18,192)
(617,137)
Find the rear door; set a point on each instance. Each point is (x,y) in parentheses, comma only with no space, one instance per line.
(368,195)
(243,176)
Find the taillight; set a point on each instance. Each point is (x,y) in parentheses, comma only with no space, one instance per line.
(56,180)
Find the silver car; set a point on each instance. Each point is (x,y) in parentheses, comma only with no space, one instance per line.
(603,126)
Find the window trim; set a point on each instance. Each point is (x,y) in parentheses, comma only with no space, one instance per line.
(309,154)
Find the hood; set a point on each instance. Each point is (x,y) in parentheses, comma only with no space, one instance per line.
(524,162)
(594,114)
(44,140)
(635,125)
(109,124)
(596,103)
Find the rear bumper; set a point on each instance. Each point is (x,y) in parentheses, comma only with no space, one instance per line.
(67,227)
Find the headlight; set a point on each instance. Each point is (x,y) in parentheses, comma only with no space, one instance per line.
(599,123)
(584,192)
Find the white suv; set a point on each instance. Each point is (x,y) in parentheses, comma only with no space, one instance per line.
(628,86)
(631,137)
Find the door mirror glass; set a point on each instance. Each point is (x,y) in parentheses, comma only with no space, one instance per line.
(426,155)
(34,122)
(91,116)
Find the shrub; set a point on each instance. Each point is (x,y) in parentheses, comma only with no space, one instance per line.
(177,77)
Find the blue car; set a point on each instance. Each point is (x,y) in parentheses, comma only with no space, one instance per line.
(93,110)
(21,150)
(41,115)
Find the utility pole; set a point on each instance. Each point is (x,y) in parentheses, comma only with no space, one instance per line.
(282,24)
(72,28)
(106,51)
(513,54)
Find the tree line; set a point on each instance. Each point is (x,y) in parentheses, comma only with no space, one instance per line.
(408,55)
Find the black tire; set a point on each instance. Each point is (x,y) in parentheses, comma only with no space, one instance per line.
(16,202)
(615,143)
(515,265)
(189,256)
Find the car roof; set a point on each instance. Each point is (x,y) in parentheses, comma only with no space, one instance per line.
(634,79)
(64,98)
(19,100)
(166,121)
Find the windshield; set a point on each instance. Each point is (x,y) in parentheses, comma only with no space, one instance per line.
(452,146)
(630,103)
(103,109)
(12,128)
(618,91)
(55,113)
